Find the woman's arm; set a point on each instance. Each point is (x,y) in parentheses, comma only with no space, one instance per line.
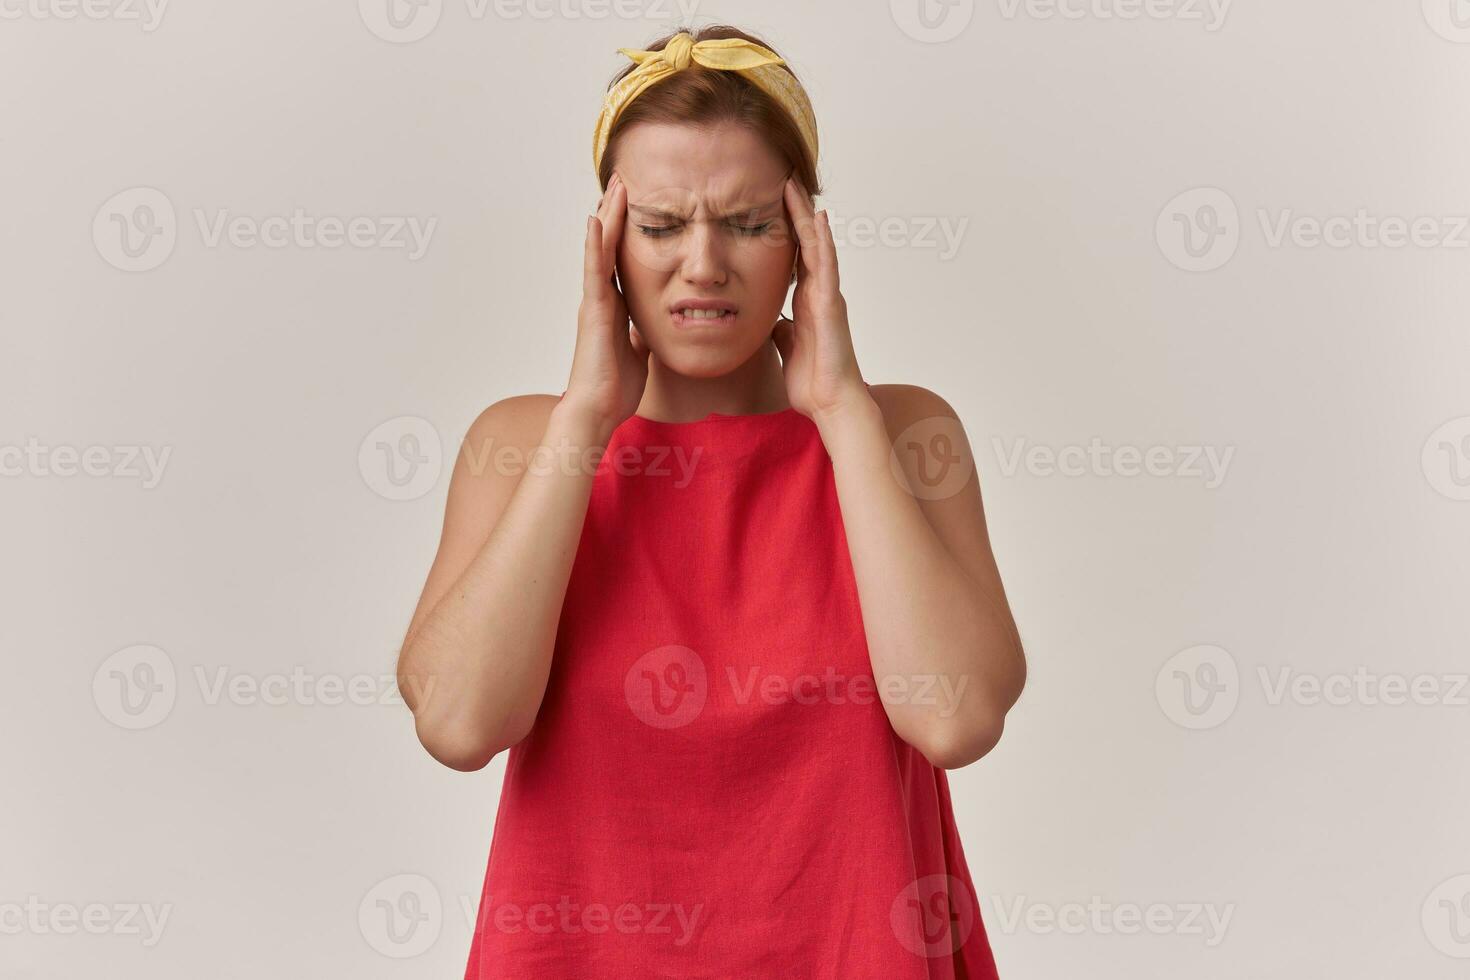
(474,664)
(475,661)
(944,647)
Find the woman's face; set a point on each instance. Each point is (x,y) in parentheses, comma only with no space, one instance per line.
(706,221)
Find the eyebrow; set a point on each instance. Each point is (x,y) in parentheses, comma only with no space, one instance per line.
(654,212)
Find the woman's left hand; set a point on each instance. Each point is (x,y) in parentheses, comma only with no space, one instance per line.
(821,369)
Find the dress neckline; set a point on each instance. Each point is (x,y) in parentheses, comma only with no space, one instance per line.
(779,415)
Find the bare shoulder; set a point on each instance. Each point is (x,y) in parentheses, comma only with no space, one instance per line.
(903,405)
(481,485)
(516,420)
(496,445)
(515,413)
(930,444)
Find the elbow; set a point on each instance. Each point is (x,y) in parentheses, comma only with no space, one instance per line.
(968,735)
(460,758)
(463,751)
(955,744)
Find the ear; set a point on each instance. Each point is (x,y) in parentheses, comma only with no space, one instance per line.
(781,334)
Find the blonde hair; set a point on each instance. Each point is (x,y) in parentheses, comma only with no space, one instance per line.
(699,96)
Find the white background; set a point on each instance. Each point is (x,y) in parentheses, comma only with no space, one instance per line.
(1331,834)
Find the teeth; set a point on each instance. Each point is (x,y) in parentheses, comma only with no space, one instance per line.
(703,314)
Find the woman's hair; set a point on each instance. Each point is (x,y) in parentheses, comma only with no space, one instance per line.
(704,97)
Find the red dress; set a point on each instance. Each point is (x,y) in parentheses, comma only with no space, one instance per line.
(711,788)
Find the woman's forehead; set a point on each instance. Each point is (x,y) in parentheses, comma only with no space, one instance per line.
(674,202)
(728,167)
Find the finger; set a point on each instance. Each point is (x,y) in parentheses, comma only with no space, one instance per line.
(614,219)
(594,274)
(605,203)
(818,259)
(827,251)
(605,211)
(611,209)
(799,206)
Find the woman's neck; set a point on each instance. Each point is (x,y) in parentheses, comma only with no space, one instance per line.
(755,387)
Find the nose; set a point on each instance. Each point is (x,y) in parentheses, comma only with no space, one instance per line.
(704,259)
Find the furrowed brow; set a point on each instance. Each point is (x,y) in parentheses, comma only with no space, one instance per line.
(654,212)
(753,209)
(744,211)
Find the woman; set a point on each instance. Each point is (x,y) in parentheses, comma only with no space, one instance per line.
(731,655)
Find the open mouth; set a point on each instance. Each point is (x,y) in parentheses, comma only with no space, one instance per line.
(703,315)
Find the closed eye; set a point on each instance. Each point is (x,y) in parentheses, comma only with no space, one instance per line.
(662,231)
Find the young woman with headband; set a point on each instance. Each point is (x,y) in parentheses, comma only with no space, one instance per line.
(731,657)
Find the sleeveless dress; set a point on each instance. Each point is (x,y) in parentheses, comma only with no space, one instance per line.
(711,788)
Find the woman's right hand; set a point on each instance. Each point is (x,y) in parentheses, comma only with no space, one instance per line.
(610,362)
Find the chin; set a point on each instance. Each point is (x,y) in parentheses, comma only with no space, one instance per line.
(699,363)
(705,357)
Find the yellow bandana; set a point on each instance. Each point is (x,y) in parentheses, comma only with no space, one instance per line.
(758,64)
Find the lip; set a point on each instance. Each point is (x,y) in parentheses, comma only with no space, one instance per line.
(680,320)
